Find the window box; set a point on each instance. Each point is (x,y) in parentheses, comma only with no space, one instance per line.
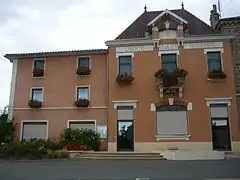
(124,78)
(83,71)
(35,104)
(82,103)
(37,72)
(216,74)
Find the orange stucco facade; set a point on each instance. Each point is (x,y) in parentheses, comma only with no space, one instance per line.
(60,84)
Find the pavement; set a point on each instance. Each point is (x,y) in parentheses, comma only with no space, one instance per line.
(118,169)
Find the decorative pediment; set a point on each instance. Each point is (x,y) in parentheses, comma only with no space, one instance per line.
(169,14)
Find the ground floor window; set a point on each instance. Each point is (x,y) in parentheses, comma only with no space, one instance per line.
(172,121)
(32,130)
(82,125)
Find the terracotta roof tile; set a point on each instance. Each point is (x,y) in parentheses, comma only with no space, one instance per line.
(138,27)
(56,53)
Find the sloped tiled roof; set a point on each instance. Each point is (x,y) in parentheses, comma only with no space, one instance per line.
(56,53)
(138,27)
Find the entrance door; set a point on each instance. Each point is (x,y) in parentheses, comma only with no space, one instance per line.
(221,135)
(125,135)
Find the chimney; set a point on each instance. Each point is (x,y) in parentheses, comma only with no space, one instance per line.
(155,33)
(214,16)
(180,30)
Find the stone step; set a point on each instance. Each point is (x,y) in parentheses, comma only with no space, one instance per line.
(122,157)
(119,154)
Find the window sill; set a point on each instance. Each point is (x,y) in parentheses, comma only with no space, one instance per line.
(38,77)
(172,137)
(82,76)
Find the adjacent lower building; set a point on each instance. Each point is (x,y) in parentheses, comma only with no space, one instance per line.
(166,82)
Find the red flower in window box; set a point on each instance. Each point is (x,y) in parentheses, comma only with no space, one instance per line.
(76,148)
(83,71)
(38,72)
(82,103)
(35,104)
(124,78)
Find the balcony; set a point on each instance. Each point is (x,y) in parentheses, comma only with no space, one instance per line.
(171,82)
(82,103)
(35,104)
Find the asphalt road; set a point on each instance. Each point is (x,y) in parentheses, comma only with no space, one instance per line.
(118,169)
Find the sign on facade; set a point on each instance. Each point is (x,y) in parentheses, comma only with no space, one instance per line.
(102,130)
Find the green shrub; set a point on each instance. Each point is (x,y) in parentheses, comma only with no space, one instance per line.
(31,149)
(83,137)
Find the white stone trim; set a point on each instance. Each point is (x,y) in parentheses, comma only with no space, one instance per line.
(145,41)
(83,120)
(127,49)
(167,12)
(45,62)
(12,89)
(166,47)
(125,54)
(61,108)
(213,50)
(82,86)
(203,45)
(226,100)
(125,103)
(168,52)
(172,137)
(33,121)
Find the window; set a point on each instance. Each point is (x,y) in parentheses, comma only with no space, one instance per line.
(125,65)
(82,125)
(219,114)
(214,61)
(169,61)
(32,130)
(125,112)
(37,94)
(82,93)
(172,121)
(84,62)
(39,64)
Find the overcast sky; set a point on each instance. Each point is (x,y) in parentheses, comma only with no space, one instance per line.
(45,25)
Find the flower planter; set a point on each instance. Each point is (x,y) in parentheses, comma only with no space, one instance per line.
(217,74)
(35,104)
(82,103)
(83,71)
(76,148)
(124,79)
(38,72)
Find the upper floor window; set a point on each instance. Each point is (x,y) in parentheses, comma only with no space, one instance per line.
(37,94)
(169,61)
(38,67)
(125,65)
(84,62)
(82,93)
(214,61)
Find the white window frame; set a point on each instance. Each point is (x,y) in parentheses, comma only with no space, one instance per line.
(31,90)
(220,50)
(124,54)
(33,62)
(90,60)
(83,120)
(160,53)
(125,103)
(82,86)
(33,121)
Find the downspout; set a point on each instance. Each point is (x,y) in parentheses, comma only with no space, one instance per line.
(107,95)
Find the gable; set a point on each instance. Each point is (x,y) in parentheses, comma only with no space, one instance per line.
(166,13)
(138,28)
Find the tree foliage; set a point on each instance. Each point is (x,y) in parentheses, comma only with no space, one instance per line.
(6,128)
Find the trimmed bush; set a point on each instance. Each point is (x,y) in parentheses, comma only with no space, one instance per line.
(80,137)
